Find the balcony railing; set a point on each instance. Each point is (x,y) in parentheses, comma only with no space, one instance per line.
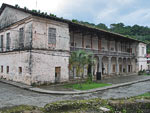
(102,52)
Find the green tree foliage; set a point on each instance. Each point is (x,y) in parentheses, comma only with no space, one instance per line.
(80,59)
(102,26)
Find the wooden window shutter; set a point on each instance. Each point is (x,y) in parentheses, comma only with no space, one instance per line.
(52,36)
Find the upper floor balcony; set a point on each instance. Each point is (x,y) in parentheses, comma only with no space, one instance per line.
(104,52)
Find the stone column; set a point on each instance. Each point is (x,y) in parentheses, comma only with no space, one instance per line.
(117,65)
(109,65)
(126,65)
(100,64)
(122,66)
(92,66)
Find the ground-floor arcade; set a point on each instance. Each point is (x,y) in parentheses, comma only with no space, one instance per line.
(109,66)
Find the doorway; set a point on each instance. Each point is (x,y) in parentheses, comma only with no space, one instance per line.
(57,74)
(120,68)
(89,69)
(114,68)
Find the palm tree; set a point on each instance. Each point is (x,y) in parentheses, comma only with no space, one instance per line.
(80,59)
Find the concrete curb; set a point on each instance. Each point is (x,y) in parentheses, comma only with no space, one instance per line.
(38,90)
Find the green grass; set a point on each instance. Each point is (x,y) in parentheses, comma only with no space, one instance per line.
(147,74)
(87,86)
(145,95)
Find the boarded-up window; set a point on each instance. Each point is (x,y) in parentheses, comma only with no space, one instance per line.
(8,42)
(7,70)
(52,36)
(20,70)
(1,43)
(21,38)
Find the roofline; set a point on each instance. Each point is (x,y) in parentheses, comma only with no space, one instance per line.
(65,21)
(15,23)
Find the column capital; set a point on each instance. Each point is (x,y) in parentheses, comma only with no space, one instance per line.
(117,58)
(109,57)
(100,56)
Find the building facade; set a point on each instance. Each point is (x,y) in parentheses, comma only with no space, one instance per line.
(35,48)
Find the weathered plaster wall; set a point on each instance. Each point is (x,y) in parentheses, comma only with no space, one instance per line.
(142,60)
(40,34)
(140,53)
(78,40)
(104,45)
(15,60)
(10,15)
(14,35)
(112,46)
(87,42)
(95,42)
(44,63)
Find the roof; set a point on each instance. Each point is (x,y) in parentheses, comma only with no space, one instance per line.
(66,21)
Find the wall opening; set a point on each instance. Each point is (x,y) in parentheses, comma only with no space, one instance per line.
(7,70)
(1,69)
(20,70)
(141,67)
(114,68)
(57,74)
(120,68)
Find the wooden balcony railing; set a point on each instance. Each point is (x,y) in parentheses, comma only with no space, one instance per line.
(102,52)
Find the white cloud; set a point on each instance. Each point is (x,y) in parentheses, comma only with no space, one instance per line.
(113,10)
(105,11)
(141,17)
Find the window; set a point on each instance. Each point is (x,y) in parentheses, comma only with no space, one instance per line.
(7,69)
(88,46)
(8,42)
(1,43)
(142,50)
(52,36)
(73,44)
(1,69)
(21,38)
(20,70)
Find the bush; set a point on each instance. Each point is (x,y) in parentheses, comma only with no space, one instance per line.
(141,72)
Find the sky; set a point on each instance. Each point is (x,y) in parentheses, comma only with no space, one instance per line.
(129,12)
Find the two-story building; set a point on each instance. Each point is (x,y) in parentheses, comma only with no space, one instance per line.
(35,48)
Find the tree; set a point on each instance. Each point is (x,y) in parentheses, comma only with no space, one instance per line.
(102,26)
(80,59)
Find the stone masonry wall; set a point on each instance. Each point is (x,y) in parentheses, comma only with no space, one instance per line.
(14,35)
(40,34)
(44,63)
(15,60)
(10,15)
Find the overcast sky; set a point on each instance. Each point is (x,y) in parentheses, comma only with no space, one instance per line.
(129,12)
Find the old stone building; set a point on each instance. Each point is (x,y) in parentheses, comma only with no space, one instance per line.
(36,48)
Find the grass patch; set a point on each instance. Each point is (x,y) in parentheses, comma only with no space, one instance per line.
(87,86)
(145,95)
(146,74)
